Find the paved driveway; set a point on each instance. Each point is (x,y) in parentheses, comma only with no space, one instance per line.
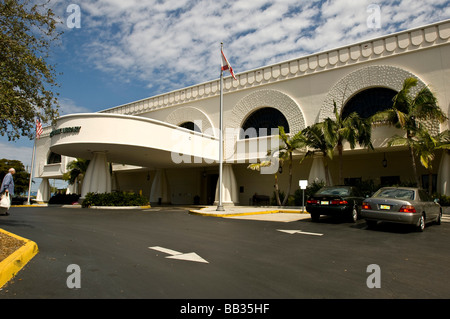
(243,258)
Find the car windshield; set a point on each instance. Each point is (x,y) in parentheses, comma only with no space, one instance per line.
(397,193)
(340,191)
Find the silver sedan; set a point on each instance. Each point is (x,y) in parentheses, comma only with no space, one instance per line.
(404,205)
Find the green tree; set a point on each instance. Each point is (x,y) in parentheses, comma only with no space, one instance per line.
(26,80)
(76,171)
(425,147)
(315,141)
(284,153)
(408,111)
(352,129)
(21,177)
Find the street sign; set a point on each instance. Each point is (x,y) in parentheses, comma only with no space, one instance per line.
(303,184)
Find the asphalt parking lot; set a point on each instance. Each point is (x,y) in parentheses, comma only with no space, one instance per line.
(170,254)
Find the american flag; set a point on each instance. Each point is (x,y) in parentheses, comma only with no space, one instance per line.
(226,65)
(39,129)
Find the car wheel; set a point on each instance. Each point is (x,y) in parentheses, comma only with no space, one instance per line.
(438,219)
(354,215)
(421,223)
(315,217)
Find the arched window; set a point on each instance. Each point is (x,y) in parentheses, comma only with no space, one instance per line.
(260,123)
(370,101)
(190,126)
(54,158)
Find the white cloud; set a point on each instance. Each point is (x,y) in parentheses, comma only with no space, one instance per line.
(171,44)
(68,106)
(12,151)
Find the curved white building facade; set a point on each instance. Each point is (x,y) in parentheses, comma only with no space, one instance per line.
(167,146)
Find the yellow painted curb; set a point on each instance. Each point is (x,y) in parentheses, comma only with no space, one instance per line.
(11,265)
(249,213)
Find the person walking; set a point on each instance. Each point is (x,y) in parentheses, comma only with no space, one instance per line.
(8,185)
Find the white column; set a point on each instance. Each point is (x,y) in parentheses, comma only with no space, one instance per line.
(71,189)
(317,172)
(230,194)
(443,186)
(43,193)
(160,188)
(98,176)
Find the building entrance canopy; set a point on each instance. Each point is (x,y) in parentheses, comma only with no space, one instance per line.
(132,140)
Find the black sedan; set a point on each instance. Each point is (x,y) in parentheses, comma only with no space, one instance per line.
(343,201)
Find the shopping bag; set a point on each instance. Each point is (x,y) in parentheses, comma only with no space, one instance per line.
(5,201)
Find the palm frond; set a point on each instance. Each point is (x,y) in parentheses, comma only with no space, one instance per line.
(398,140)
(257,166)
(384,117)
(425,106)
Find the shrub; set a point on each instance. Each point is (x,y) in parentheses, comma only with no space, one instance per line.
(367,187)
(310,190)
(114,199)
(19,200)
(273,199)
(63,199)
(443,200)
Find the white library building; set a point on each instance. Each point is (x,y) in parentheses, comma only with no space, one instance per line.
(167,146)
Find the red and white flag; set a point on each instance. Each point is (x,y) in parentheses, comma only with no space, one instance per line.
(39,129)
(226,65)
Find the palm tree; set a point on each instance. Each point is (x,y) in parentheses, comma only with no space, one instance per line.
(352,129)
(284,153)
(76,171)
(313,138)
(407,110)
(425,146)
(286,150)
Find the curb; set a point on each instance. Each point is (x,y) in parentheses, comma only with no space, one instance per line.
(199,212)
(11,265)
(92,207)
(119,207)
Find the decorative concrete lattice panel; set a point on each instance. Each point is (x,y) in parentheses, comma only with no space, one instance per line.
(192,114)
(365,78)
(267,98)
(405,42)
(259,99)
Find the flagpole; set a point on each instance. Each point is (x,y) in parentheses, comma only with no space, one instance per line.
(31,172)
(220,205)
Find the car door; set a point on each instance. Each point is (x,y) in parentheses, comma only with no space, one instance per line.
(430,207)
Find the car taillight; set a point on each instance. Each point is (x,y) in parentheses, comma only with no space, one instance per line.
(366,206)
(339,202)
(407,209)
(312,201)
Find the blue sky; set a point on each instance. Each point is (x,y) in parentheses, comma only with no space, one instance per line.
(127,50)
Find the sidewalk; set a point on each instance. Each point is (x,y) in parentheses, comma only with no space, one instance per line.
(255,213)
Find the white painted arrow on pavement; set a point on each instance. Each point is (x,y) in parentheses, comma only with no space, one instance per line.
(299,232)
(180,256)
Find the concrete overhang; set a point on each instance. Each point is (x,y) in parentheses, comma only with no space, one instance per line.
(132,140)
